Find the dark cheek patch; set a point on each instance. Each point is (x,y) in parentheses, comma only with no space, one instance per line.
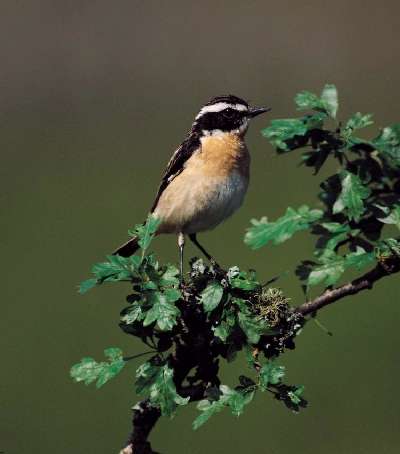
(216,120)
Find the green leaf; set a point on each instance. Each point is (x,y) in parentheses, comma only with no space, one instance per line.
(85,286)
(236,400)
(329,97)
(162,312)
(316,120)
(145,232)
(132,314)
(337,233)
(332,266)
(116,268)
(393,217)
(327,102)
(146,236)
(284,133)
(211,296)
(208,409)
(146,375)
(242,280)
(172,294)
(329,271)
(359,259)
(239,400)
(157,382)
(88,370)
(170,276)
(335,227)
(244,284)
(222,331)
(296,395)
(252,325)
(306,100)
(387,248)
(163,392)
(149,285)
(227,323)
(357,121)
(271,374)
(282,229)
(282,130)
(351,198)
(388,144)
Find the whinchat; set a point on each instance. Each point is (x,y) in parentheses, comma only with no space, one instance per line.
(207,177)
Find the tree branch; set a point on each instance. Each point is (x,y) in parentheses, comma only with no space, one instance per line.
(367,281)
(145,416)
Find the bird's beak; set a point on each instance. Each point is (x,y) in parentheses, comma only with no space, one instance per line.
(254,111)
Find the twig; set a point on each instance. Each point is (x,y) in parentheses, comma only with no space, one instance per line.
(364,282)
(128,358)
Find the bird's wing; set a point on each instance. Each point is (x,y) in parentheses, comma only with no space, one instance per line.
(177,163)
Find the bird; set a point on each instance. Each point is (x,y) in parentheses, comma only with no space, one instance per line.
(207,177)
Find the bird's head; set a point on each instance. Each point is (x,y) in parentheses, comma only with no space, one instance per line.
(225,114)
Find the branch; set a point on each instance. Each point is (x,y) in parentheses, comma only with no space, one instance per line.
(144,418)
(367,281)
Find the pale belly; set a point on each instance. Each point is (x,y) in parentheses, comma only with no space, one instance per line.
(193,203)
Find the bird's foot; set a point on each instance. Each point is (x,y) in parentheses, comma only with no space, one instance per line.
(182,284)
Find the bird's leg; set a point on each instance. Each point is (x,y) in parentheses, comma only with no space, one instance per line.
(193,239)
(181,244)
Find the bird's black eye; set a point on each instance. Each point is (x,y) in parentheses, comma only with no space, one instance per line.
(229,113)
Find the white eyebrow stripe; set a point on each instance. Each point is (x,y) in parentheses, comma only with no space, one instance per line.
(219,106)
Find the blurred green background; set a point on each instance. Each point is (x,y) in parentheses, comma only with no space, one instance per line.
(94,98)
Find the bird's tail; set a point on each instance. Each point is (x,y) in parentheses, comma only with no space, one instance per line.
(127,249)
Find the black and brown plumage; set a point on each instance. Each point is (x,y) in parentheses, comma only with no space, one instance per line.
(207,177)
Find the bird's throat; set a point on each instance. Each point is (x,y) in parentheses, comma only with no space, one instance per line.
(222,154)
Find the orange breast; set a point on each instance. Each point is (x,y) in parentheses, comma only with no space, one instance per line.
(221,155)
(210,188)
